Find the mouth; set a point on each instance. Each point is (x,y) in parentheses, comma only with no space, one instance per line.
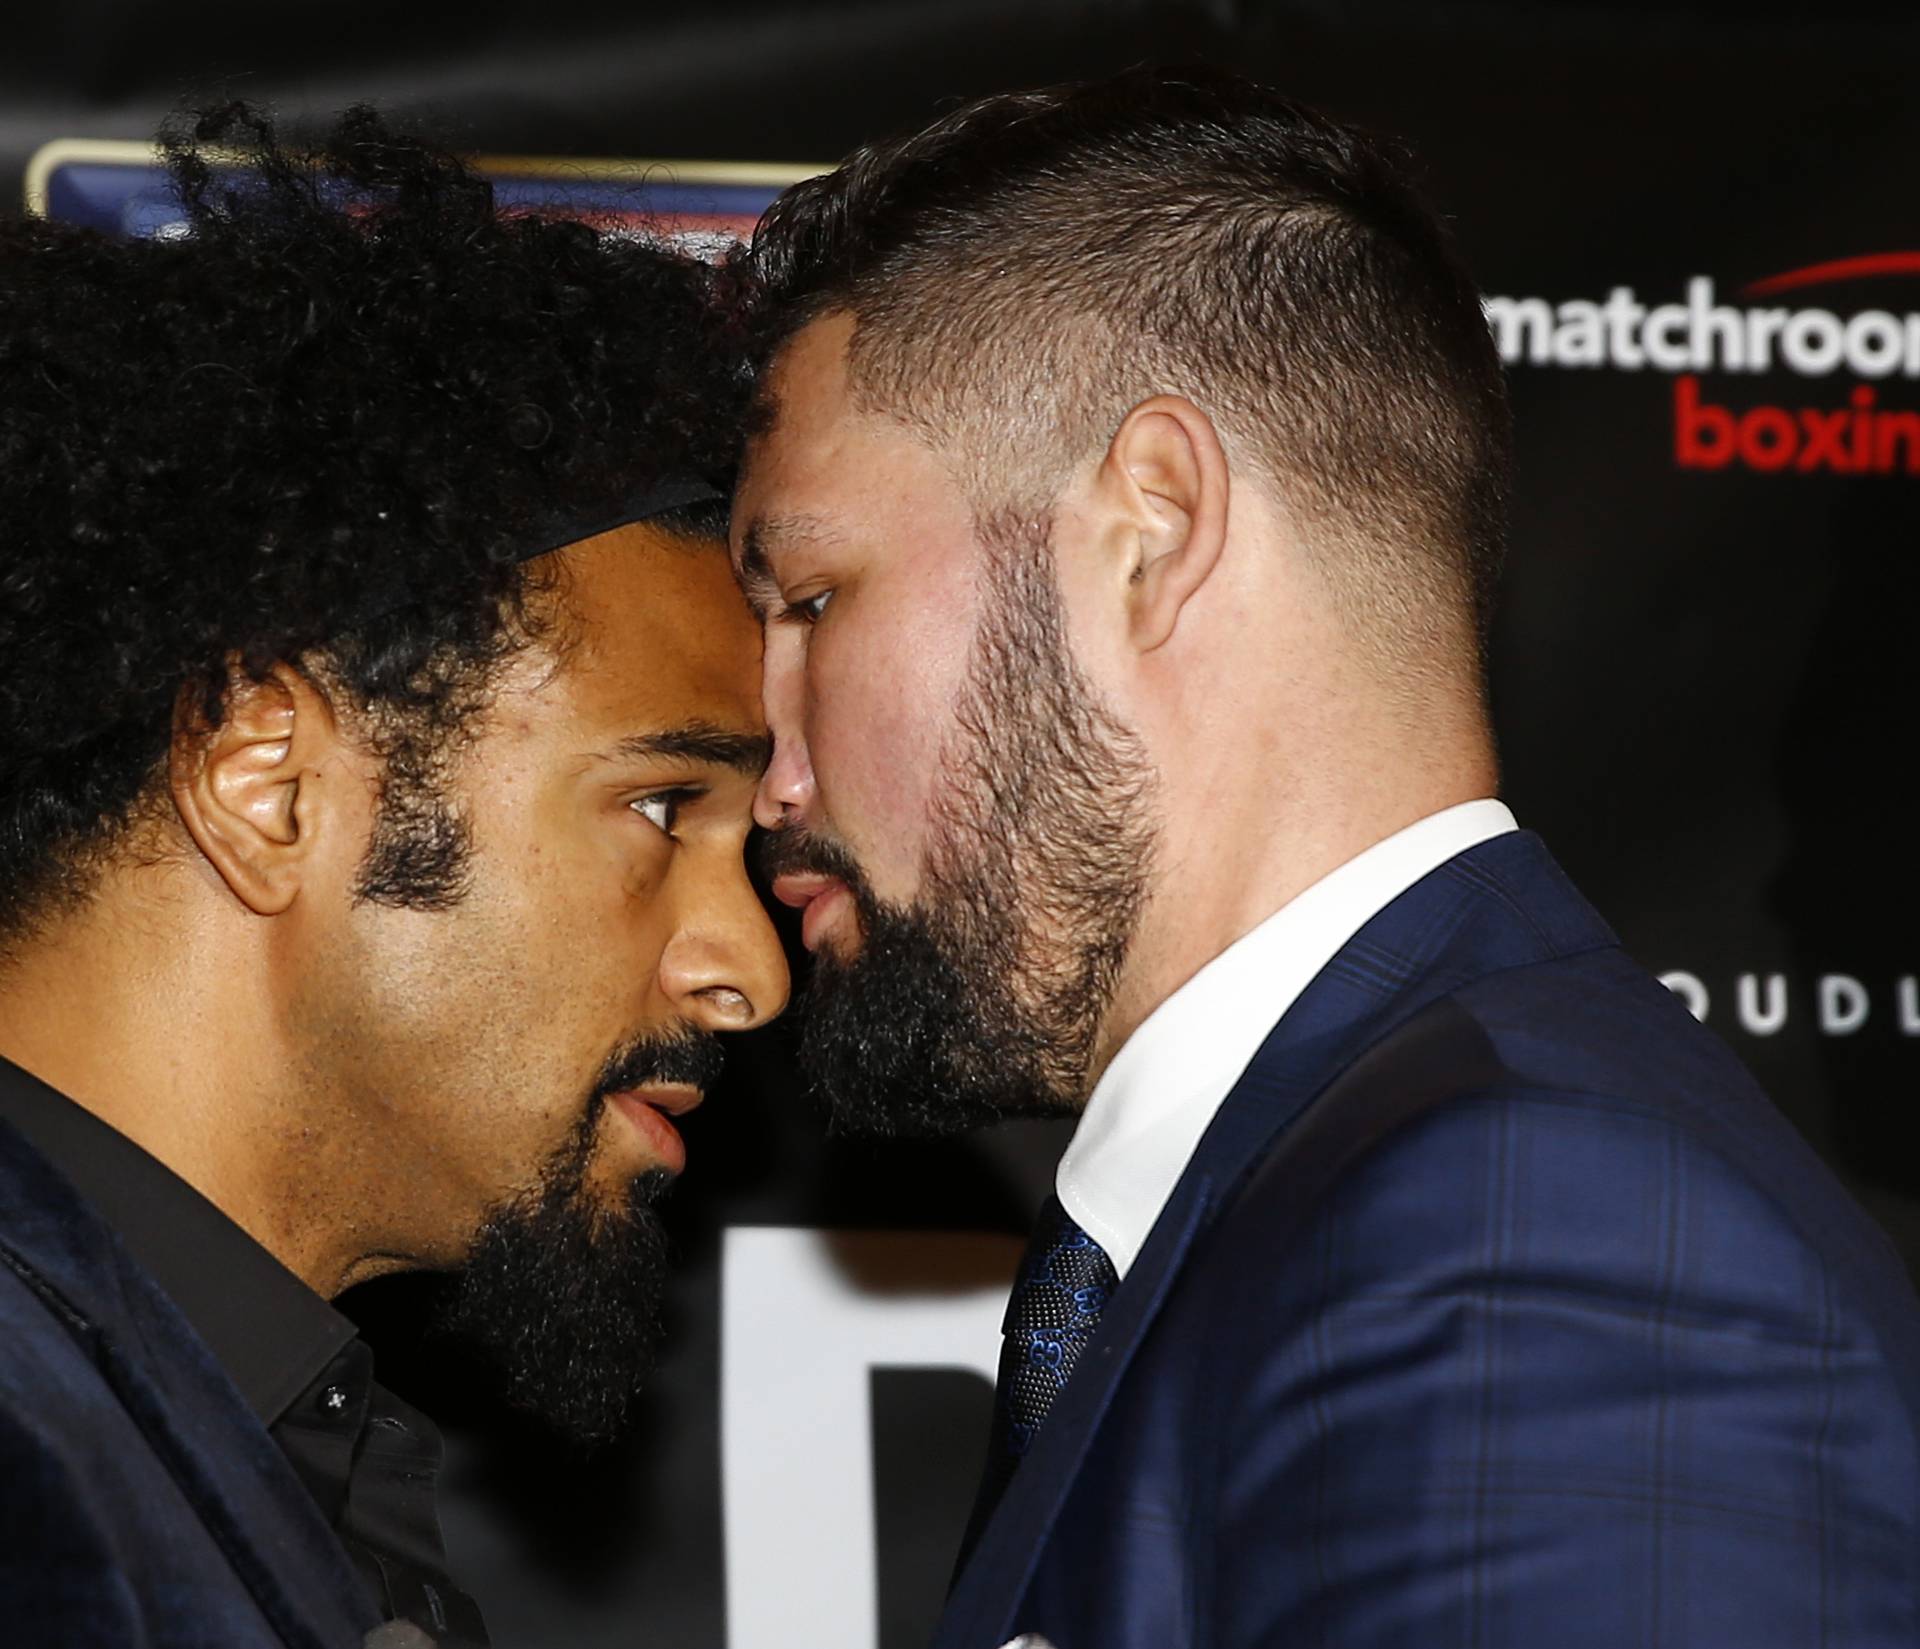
(648,1109)
(818,898)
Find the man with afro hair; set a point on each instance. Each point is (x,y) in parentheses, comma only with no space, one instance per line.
(379,723)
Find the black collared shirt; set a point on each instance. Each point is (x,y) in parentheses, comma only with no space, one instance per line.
(367,1458)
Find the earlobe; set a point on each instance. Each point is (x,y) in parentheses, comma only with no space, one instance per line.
(241,788)
(1167,463)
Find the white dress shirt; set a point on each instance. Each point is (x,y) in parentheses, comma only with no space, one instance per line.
(1155,1100)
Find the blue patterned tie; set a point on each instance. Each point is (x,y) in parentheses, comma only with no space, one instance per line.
(1064,1282)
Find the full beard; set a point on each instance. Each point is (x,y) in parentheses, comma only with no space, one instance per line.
(985,998)
(562,1291)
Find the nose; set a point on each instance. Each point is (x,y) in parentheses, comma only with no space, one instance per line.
(786,788)
(724,968)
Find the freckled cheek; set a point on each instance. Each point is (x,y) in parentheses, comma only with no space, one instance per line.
(638,875)
(602,972)
(635,929)
(588,905)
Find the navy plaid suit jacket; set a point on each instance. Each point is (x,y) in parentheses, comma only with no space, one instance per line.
(1592,1354)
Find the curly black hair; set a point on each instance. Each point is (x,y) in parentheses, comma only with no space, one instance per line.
(323,426)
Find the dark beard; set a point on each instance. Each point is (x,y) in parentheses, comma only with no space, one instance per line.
(562,1292)
(984,999)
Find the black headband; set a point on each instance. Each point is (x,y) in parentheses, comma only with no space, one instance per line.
(556,530)
(674,493)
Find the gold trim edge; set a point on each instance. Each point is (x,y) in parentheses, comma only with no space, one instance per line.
(747,173)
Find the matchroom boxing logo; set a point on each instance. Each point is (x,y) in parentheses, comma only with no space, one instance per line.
(1702,335)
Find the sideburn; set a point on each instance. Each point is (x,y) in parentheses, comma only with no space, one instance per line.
(420,853)
(1053,871)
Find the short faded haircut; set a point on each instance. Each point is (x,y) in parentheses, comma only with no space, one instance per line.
(1027,269)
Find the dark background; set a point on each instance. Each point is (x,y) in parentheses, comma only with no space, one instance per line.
(1705,680)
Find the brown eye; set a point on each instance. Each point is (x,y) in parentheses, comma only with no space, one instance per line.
(662,809)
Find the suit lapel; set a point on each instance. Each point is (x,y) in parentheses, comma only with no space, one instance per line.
(1283,1078)
(1457,924)
(1011,1542)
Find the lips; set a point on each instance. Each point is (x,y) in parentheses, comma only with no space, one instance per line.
(816,897)
(800,888)
(648,1109)
(675,1098)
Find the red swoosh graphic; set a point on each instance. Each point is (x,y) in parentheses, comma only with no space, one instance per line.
(1841,269)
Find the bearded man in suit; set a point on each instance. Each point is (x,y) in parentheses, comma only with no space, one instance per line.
(1125,519)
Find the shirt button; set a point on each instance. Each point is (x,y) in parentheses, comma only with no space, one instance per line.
(334,1399)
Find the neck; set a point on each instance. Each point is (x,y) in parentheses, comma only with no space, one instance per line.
(156,1021)
(1256,847)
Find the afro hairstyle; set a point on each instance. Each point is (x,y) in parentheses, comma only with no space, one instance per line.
(325,426)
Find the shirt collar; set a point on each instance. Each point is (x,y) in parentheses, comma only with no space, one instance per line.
(1157,1097)
(268,1330)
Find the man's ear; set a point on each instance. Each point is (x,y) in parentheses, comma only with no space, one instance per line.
(249,790)
(1166,476)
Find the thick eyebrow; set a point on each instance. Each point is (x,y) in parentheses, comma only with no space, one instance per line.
(701,742)
(764,538)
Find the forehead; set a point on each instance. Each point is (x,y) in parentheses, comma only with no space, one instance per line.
(813,431)
(826,467)
(806,389)
(657,634)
